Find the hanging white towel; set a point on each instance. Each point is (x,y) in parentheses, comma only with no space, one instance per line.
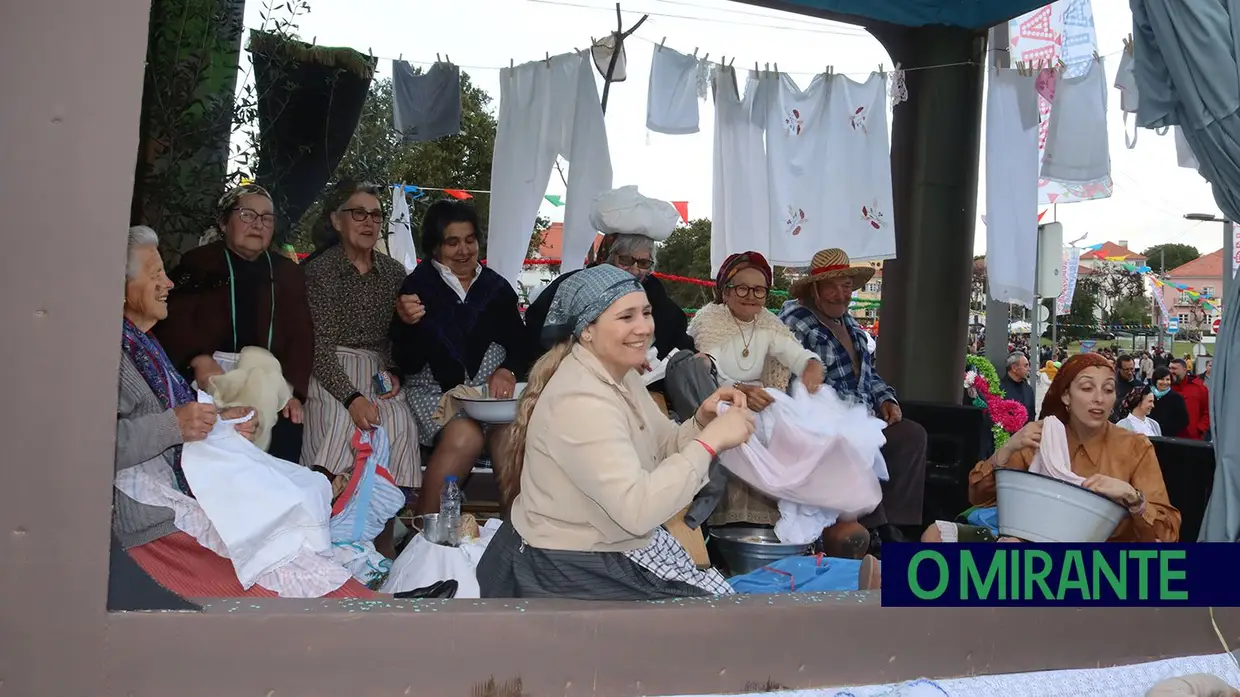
(1011,186)
(400,230)
(798,165)
(672,98)
(858,194)
(1077,150)
(546,108)
(1129,96)
(740,208)
(1183,151)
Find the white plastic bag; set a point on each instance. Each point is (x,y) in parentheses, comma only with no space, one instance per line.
(266,511)
(814,450)
(424,563)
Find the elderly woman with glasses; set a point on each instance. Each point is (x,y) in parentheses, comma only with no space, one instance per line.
(235,293)
(355,383)
(631,225)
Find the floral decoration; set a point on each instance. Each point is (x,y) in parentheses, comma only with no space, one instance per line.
(981,382)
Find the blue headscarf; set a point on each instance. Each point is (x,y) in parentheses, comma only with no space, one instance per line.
(582,297)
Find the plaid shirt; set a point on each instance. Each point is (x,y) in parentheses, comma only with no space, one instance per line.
(867,388)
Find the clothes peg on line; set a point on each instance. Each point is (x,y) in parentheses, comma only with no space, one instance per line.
(777,68)
(695,52)
(706,58)
(880,69)
(663,41)
(547,59)
(437,60)
(1097,57)
(755,67)
(732,62)
(510,62)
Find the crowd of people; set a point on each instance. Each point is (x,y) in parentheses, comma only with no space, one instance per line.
(598,466)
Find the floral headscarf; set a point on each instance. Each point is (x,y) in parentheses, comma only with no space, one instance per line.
(737,263)
(224,207)
(1052,403)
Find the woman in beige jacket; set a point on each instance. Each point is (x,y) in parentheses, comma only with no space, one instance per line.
(596,466)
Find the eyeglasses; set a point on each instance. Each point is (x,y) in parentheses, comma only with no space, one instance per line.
(642,264)
(249,216)
(361,214)
(759,292)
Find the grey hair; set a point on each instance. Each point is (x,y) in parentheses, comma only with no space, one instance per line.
(139,236)
(1014,358)
(630,245)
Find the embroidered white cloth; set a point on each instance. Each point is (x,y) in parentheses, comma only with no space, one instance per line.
(798,125)
(1121,681)
(1053,458)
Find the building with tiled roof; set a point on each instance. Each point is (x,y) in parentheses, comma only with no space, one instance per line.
(1204,275)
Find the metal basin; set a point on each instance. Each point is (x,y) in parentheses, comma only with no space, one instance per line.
(747,549)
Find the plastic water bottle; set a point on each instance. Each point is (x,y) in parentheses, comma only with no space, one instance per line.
(450,511)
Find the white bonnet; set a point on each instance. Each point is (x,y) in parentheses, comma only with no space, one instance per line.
(624,211)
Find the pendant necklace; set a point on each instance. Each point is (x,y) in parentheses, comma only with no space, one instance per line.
(746,342)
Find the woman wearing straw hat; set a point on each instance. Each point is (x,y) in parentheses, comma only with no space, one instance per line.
(818,317)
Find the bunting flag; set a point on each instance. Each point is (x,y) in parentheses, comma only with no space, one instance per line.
(682,207)
(555,200)
(458,194)
(1156,282)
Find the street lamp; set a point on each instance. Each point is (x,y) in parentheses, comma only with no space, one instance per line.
(1229,256)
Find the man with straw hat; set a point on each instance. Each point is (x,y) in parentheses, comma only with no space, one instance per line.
(818,316)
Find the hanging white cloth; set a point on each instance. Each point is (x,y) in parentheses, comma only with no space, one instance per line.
(740,208)
(1183,151)
(546,108)
(1077,150)
(798,167)
(1129,96)
(672,96)
(859,171)
(400,230)
(1011,186)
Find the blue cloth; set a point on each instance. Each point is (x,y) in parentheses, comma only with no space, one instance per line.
(985,517)
(970,14)
(800,575)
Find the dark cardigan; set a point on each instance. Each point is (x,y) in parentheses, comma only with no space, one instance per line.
(200,318)
(1171,413)
(671,326)
(453,336)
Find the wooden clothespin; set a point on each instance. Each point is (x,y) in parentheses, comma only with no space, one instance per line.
(1128,45)
(547,59)
(314,41)
(768,67)
(732,62)
(777,68)
(695,50)
(510,62)
(663,41)
(1097,57)
(437,59)
(706,58)
(755,67)
(447,58)
(880,69)
(400,57)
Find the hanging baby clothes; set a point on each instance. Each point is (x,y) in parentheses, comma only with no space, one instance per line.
(1011,186)
(546,108)
(601,51)
(859,199)
(400,230)
(672,97)
(740,209)
(1183,151)
(1077,149)
(801,219)
(1129,96)
(426,106)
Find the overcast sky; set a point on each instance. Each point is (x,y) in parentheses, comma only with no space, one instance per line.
(1151,192)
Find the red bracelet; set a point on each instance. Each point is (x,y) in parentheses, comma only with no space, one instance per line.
(709,449)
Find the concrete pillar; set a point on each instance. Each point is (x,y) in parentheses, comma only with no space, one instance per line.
(935,146)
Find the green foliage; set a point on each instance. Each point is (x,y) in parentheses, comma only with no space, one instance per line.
(687,253)
(191,110)
(1113,284)
(1130,311)
(1081,321)
(1172,253)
